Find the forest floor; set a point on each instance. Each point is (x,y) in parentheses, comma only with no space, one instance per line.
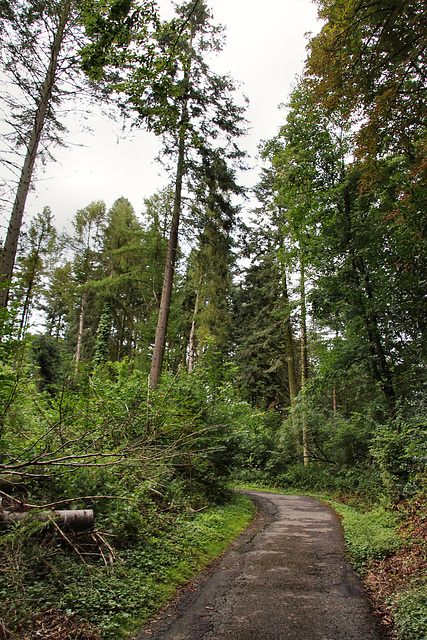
(403,573)
(285,577)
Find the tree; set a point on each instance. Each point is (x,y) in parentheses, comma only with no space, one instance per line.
(339,230)
(211,264)
(38,246)
(158,211)
(57,300)
(266,353)
(192,109)
(40,45)
(370,59)
(46,357)
(102,351)
(88,226)
(278,232)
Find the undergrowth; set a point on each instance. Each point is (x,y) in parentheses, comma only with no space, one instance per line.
(50,580)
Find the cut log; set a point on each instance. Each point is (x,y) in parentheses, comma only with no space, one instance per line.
(72,519)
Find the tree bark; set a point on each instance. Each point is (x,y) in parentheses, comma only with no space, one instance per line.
(80,333)
(73,519)
(162,321)
(293,385)
(11,243)
(304,362)
(192,339)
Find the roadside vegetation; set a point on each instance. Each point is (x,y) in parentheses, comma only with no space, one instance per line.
(153,469)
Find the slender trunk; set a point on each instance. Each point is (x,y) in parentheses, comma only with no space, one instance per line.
(293,385)
(25,312)
(12,237)
(80,333)
(192,339)
(304,362)
(162,322)
(27,304)
(334,390)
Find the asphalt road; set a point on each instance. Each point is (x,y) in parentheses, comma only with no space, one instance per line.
(284,578)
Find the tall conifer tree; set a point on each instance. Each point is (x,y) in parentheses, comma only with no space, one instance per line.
(193,110)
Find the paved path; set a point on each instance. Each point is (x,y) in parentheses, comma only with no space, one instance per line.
(284,578)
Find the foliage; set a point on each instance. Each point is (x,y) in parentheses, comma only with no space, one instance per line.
(166,550)
(143,460)
(103,335)
(369,61)
(46,357)
(400,448)
(370,534)
(411,614)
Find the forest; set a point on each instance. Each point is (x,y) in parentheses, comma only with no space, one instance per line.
(151,361)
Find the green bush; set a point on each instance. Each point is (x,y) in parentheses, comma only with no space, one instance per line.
(400,448)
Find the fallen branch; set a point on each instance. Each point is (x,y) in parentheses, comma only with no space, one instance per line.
(73,546)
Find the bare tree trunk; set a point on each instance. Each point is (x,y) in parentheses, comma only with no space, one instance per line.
(304,362)
(75,520)
(192,339)
(334,390)
(162,322)
(11,243)
(25,312)
(80,333)
(293,385)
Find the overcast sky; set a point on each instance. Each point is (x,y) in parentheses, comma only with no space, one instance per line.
(265,51)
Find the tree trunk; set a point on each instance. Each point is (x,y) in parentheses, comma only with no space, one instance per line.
(27,304)
(293,385)
(304,362)
(80,333)
(11,243)
(162,322)
(73,519)
(192,339)
(379,364)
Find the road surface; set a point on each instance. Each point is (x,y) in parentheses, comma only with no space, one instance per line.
(285,578)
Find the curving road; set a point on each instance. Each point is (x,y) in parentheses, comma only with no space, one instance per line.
(284,578)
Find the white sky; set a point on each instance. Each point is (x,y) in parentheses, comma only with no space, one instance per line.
(265,51)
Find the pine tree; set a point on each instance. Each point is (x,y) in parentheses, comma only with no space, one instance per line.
(192,109)
(103,336)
